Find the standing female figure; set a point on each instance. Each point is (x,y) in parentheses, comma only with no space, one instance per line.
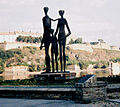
(62,22)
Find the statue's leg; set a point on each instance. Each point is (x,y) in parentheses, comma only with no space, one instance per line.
(52,56)
(60,48)
(56,61)
(47,58)
(64,56)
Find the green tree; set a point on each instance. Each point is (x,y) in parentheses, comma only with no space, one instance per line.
(97,66)
(19,38)
(38,68)
(29,39)
(78,40)
(71,41)
(2,63)
(3,54)
(31,68)
(83,64)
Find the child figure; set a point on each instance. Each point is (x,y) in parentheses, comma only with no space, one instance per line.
(54,50)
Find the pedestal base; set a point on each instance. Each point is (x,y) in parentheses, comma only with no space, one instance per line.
(54,76)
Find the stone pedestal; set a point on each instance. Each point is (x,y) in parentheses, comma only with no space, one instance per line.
(56,76)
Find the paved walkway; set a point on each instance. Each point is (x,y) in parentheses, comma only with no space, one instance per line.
(38,88)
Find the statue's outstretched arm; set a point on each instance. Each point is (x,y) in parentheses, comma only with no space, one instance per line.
(53,19)
(69,32)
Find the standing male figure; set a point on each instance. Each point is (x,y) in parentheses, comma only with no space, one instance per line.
(46,37)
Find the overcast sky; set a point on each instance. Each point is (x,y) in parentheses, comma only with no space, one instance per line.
(89,19)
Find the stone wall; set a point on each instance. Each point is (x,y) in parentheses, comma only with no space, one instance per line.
(85,47)
(89,47)
(114,48)
(101,46)
(14,45)
(92,92)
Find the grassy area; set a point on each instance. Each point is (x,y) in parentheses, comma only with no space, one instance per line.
(38,82)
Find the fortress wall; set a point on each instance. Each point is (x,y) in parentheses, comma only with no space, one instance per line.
(85,47)
(13,45)
(101,46)
(115,48)
(105,46)
(89,47)
(96,46)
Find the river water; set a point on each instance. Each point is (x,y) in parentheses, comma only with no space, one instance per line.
(11,102)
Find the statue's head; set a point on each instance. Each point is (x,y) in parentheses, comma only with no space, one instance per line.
(61,13)
(46,10)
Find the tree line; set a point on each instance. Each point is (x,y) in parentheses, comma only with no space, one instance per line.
(76,41)
(29,39)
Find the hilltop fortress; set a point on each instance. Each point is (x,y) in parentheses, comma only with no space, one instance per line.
(90,46)
(8,41)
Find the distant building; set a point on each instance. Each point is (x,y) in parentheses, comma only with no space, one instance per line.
(115,68)
(8,40)
(16,72)
(74,68)
(11,36)
(15,45)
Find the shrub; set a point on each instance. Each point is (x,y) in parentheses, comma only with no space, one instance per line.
(31,68)
(2,63)
(77,41)
(115,60)
(37,60)
(29,39)
(38,68)
(83,64)
(32,50)
(3,54)
(97,66)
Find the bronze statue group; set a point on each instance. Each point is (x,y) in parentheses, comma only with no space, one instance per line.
(59,37)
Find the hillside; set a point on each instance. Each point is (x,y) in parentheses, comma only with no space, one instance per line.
(35,58)
(96,55)
(28,56)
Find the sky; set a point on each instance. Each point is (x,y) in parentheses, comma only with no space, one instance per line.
(89,19)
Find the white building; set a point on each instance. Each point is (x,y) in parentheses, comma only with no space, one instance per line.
(11,36)
(16,72)
(115,68)
(74,68)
